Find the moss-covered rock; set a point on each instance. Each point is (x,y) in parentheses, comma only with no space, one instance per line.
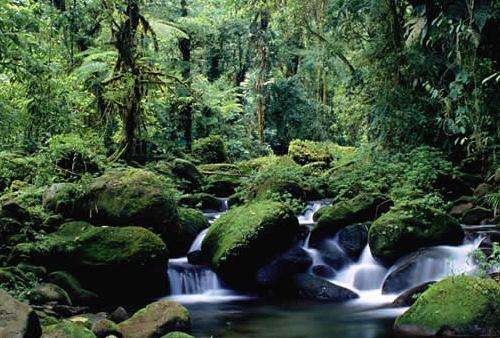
(105,327)
(405,229)
(222,186)
(62,198)
(157,319)
(202,201)
(187,172)
(133,197)
(48,293)
(362,208)
(461,306)
(248,237)
(73,287)
(305,152)
(210,150)
(476,215)
(67,329)
(109,261)
(192,222)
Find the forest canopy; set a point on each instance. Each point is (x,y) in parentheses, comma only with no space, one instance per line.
(143,78)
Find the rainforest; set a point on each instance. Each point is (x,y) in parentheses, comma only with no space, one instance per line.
(249,168)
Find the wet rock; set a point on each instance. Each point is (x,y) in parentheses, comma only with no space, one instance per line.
(89,319)
(409,297)
(119,315)
(324,271)
(332,254)
(192,222)
(294,261)
(17,320)
(475,216)
(353,239)
(104,328)
(157,319)
(196,258)
(399,279)
(177,335)
(310,287)
(48,293)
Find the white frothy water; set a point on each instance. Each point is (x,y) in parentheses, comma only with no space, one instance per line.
(197,283)
(198,240)
(366,276)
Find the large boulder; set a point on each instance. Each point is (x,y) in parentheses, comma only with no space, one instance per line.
(191,178)
(245,239)
(133,197)
(294,261)
(49,293)
(109,261)
(362,208)
(353,239)
(73,287)
(17,320)
(192,222)
(222,186)
(63,198)
(456,306)
(406,229)
(309,287)
(210,150)
(156,319)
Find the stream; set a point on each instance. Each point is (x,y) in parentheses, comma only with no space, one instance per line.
(218,311)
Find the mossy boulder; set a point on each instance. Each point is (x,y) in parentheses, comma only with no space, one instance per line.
(211,149)
(307,152)
(245,239)
(192,222)
(476,216)
(458,306)
(222,186)
(67,329)
(406,228)
(191,178)
(49,293)
(63,198)
(157,319)
(202,201)
(134,197)
(73,287)
(104,328)
(106,260)
(362,208)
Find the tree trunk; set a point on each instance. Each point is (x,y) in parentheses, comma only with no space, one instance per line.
(186,114)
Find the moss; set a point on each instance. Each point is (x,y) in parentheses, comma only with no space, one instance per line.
(192,223)
(98,256)
(133,197)
(67,329)
(222,186)
(191,178)
(466,305)
(62,198)
(73,287)
(408,227)
(157,319)
(247,237)
(305,152)
(177,335)
(363,208)
(211,149)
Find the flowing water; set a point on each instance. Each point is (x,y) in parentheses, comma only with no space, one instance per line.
(218,311)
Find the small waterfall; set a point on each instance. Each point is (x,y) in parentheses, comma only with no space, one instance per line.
(197,283)
(366,276)
(198,240)
(187,279)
